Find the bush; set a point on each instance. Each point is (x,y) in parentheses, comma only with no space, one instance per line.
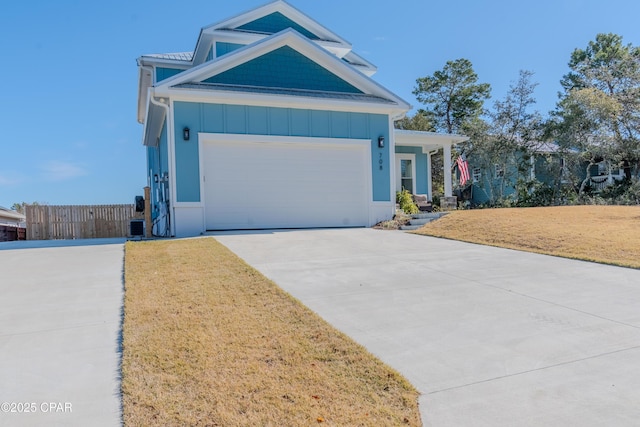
(625,192)
(405,200)
(535,193)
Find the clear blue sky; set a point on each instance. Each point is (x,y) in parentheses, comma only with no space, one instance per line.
(68,76)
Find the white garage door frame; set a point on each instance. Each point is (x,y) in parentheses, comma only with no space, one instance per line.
(205,140)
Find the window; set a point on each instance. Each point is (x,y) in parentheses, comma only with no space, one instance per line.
(477,174)
(406,174)
(499,171)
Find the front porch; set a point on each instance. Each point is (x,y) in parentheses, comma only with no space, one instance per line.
(413,168)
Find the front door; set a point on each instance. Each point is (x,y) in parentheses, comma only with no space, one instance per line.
(406,172)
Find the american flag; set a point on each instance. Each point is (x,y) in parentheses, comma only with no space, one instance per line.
(463,167)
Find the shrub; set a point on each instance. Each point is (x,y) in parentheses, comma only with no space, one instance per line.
(625,192)
(405,200)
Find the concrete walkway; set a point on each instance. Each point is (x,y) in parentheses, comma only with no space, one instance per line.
(490,337)
(60,319)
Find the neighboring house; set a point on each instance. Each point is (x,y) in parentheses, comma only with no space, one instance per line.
(12,225)
(12,218)
(604,175)
(489,182)
(547,166)
(274,122)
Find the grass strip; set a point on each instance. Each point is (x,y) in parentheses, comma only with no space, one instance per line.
(604,234)
(209,341)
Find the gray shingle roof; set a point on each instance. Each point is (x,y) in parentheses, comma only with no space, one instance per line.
(178,56)
(360,97)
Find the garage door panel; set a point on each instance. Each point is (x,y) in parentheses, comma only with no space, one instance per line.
(284,185)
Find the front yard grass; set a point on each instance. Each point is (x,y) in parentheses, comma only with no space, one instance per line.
(605,234)
(209,341)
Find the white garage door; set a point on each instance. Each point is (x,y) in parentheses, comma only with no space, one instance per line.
(252,185)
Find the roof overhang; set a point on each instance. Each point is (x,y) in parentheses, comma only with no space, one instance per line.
(265,99)
(11,215)
(145,81)
(154,120)
(428,141)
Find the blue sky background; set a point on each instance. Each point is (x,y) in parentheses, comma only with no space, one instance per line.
(68,75)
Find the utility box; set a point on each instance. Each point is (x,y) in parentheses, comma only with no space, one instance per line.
(136,228)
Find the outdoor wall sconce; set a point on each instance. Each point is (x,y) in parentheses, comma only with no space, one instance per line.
(381,141)
(186,133)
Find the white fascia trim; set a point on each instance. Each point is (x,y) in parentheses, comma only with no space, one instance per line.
(202,47)
(422,139)
(287,10)
(145,81)
(298,42)
(159,62)
(363,62)
(279,101)
(369,72)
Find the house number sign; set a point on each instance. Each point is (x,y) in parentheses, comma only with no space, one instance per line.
(380,161)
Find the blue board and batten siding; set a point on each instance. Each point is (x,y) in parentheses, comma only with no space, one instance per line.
(274,23)
(284,68)
(222,48)
(250,120)
(163,73)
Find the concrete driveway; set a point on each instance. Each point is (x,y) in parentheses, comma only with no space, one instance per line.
(60,319)
(490,337)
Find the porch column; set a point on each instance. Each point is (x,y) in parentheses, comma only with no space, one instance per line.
(429,176)
(448,181)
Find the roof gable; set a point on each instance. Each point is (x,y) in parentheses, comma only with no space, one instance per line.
(266,20)
(237,68)
(274,17)
(284,67)
(274,23)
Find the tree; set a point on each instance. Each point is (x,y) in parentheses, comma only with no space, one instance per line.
(19,207)
(503,146)
(453,95)
(599,111)
(419,121)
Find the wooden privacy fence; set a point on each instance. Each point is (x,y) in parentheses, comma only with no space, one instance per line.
(78,221)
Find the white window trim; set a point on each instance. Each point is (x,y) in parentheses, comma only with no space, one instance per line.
(476,175)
